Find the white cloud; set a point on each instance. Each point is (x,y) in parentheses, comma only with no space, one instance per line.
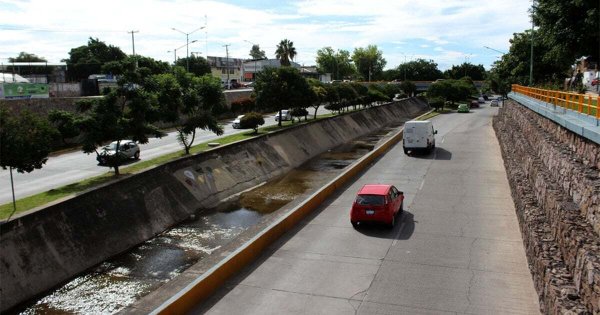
(394,26)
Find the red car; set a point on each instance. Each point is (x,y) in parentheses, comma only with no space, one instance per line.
(377,203)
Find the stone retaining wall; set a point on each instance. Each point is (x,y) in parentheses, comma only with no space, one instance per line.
(48,246)
(554,181)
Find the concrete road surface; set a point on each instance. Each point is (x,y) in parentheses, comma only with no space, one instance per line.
(456,250)
(71,167)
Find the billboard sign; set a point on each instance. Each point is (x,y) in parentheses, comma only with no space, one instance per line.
(24,90)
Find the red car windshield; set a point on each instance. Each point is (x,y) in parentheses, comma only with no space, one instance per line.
(370,200)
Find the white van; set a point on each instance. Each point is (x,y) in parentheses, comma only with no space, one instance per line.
(286,114)
(418,135)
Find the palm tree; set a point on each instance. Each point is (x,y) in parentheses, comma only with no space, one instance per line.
(285,52)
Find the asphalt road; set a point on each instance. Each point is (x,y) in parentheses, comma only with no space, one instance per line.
(75,166)
(457,248)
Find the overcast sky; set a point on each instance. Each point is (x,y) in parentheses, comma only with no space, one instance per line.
(448,31)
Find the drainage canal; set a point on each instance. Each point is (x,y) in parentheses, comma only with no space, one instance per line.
(120,281)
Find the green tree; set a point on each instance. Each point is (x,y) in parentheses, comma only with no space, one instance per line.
(256,53)
(89,59)
(475,72)
(420,70)
(369,62)
(514,66)
(25,142)
(320,94)
(568,30)
(281,88)
(65,122)
(392,75)
(377,96)
(127,112)
(144,66)
(337,63)
(408,87)
(27,57)
(332,98)
(252,120)
(436,102)
(198,65)
(451,90)
(192,101)
(285,52)
(347,95)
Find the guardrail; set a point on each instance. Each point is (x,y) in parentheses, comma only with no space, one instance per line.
(582,103)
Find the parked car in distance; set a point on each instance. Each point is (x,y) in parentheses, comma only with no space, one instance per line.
(397,97)
(463,108)
(377,203)
(481,100)
(494,103)
(127,149)
(286,114)
(418,135)
(474,104)
(236,122)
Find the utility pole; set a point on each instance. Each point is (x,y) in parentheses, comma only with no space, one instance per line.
(133,45)
(531,61)
(227,62)
(206,35)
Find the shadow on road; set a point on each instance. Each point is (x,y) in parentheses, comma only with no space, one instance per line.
(403,230)
(442,154)
(439,154)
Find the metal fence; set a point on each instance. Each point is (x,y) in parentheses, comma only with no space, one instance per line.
(582,103)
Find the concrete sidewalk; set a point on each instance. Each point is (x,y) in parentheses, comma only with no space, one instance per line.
(456,249)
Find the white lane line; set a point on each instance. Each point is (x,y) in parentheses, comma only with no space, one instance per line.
(443,139)
(422,183)
(398,234)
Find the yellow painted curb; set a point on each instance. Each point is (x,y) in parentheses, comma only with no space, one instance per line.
(205,285)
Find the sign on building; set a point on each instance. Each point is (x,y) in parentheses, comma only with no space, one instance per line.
(23,90)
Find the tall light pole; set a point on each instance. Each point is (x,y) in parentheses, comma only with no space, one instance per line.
(403,54)
(174,55)
(175,52)
(496,50)
(531,61)
(187,41)
(467,56)
(253,74)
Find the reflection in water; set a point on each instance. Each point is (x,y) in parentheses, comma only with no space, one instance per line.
(119,282)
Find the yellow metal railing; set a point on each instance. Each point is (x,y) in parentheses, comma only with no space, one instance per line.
(582,103)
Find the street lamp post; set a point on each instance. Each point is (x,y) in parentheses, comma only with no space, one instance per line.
(175,53)
(404,65)
(187,43)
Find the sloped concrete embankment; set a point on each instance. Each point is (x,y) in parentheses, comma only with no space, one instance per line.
(555,184)
(51,245)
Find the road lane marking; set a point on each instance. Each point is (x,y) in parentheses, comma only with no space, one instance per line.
(398,234)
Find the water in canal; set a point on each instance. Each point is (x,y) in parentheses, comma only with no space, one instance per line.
(120,281)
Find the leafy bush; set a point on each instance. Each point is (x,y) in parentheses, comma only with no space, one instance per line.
(299,112)
(436,102)
(251,121)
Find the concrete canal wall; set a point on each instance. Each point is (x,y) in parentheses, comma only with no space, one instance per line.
(555,182)
(51,245)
